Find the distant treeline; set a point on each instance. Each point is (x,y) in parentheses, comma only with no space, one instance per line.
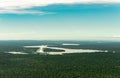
(17,45)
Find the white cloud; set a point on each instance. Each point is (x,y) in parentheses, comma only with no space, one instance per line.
(13,6)
(22,11)
(30,3)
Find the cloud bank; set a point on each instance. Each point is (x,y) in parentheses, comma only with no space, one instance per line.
(23,11)
(19,6)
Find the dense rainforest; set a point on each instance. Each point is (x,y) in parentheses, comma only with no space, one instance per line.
(84,65)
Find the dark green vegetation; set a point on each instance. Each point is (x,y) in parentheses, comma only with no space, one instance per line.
(85,65)
(95,65)
(53,50)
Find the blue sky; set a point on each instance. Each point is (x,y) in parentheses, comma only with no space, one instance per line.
(62,22)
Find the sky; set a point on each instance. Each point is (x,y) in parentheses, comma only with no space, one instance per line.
(59,19)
